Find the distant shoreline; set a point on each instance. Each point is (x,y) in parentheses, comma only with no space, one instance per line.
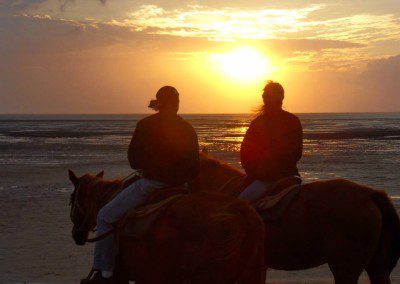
(200,113)
(127,117)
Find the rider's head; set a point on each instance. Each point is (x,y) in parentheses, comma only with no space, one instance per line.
(167,100)
(273,95)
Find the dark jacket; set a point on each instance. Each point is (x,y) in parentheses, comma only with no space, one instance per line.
(165,148)
(272,146)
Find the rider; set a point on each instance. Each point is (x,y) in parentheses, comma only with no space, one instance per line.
(273,144)
(164,147)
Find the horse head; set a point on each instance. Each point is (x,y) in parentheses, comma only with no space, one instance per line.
(83,215)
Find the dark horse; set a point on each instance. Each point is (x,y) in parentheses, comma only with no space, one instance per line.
(201,238)
(349,226)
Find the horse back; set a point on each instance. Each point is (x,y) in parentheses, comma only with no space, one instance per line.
(324,214)
(335,194)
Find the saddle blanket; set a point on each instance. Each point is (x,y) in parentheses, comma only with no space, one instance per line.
(273,198)
(139,221)
(271,208)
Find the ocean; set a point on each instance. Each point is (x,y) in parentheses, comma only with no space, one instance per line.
(37,150)
(360,147)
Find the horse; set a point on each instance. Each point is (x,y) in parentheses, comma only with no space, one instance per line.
(200,238)
(346,225)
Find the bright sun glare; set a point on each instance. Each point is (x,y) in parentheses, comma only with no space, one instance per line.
(244,64)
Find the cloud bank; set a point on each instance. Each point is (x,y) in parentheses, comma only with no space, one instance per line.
(54,57)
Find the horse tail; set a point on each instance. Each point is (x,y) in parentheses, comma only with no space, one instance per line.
(390,223)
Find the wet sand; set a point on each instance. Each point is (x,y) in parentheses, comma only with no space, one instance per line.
(36,244)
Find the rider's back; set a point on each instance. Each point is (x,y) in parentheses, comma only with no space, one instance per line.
(272,146)
(165,148)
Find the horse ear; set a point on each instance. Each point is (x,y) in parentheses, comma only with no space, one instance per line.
(74,179)
(100,174)
(204,151)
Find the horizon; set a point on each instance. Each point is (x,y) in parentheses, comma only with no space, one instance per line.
(187,113)
(105,56)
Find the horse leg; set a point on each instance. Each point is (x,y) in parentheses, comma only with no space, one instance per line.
(344,276)
(159,280)
(120,279)
(120,276)
(256,273)
(379,278)
(347,261)
(259,277)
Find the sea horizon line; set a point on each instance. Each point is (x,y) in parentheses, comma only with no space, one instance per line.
(196,113)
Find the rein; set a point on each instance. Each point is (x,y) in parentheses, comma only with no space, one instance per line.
(102,236)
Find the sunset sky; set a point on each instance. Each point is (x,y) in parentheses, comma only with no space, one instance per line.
(91,56)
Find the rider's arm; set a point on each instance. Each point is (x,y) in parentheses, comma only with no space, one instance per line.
(189,161)
(194,156)
(298,139)
(292,151)
(249,151)
(135,150)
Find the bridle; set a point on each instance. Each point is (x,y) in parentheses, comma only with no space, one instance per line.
(75,206)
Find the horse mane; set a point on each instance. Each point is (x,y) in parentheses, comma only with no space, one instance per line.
(208,161)
(107,183)
(105,188)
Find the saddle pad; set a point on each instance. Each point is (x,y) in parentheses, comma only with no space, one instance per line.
(138,222)
(270,201)
(271,208)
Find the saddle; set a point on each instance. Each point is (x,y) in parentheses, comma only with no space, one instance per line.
(277,198)
(137,222)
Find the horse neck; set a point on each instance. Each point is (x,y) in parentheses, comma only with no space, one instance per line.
(103,192)
(234,183)
(225,179)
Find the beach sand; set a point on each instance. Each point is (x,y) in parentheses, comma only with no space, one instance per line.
(36,244)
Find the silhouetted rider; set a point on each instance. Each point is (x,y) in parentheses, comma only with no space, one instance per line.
(165,149)
(164,146)
(272,145)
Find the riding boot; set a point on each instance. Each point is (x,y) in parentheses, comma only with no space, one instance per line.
(97,279)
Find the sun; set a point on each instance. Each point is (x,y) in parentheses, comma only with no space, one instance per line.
(244,64)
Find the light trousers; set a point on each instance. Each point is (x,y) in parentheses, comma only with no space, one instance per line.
(134,195)
(254,191)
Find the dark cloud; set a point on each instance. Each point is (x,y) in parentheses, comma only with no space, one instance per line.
(65,3)
(380,84)
(374,89)
(17,6)
(32,35)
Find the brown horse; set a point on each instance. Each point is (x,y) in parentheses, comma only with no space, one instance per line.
(201,238)
(349,226)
